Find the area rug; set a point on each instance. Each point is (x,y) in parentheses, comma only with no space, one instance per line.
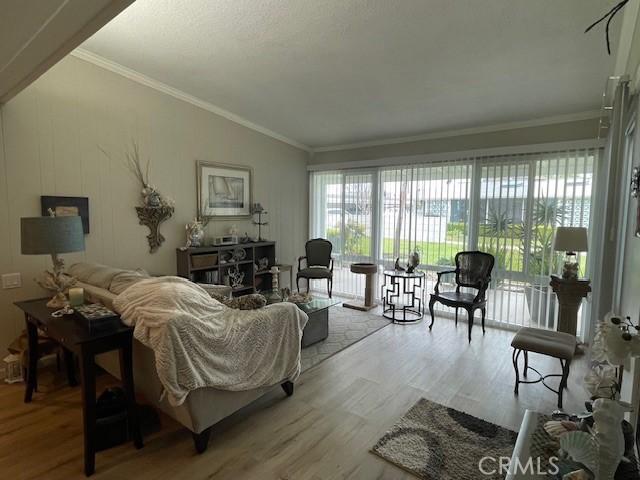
(346,327)
(438,443)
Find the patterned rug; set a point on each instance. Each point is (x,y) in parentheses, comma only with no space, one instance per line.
(438,443)
(346,327)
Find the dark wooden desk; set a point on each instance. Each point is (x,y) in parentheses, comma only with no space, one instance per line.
(76,338)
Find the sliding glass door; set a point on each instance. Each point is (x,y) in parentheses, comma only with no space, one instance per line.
(344,212)
(508,206)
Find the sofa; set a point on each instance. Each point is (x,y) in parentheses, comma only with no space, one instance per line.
(203,407)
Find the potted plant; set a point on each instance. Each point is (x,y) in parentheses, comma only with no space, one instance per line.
(546,214)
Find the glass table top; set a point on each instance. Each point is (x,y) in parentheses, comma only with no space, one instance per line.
(318,304)
(402,274)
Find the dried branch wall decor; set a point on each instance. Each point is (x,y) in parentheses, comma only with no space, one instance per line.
(155,207)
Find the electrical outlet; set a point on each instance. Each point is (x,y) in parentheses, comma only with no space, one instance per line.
(11,280)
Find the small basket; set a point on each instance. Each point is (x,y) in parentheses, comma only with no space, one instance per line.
(204,261)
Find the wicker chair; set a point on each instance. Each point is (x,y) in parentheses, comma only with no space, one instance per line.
(319,263)
(473,269)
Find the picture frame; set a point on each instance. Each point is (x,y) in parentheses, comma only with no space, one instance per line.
(224,191)
(67,206)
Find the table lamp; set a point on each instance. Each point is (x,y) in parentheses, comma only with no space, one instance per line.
(570,240)
(52,235)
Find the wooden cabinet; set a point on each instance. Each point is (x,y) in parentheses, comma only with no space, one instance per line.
(212,265)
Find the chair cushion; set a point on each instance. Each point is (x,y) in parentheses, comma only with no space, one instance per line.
(547,342)
(462,297)
(315,272)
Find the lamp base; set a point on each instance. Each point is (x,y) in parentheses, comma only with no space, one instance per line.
(59,300)
(570,270)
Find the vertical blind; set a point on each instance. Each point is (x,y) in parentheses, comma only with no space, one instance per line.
(508,206)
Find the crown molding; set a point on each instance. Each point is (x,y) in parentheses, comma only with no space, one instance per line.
(572,117)
(453,156)
(180,95)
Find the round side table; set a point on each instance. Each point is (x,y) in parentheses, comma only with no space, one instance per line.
(399,285)
(369,270)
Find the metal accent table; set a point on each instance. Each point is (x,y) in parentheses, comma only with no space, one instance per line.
(412,286)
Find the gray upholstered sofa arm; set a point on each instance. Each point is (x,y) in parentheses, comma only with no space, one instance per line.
(222,290)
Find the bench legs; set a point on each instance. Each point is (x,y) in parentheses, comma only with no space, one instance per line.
(564,364)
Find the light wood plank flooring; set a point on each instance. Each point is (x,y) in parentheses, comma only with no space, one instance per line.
(339,410)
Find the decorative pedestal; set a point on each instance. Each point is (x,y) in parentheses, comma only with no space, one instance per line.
(570,294)
(369,270)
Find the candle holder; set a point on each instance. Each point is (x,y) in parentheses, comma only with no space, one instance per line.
(258,209)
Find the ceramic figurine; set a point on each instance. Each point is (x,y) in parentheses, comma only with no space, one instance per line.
(151,197)
(602,449)
(607,425)
(414,261)
(195,233)
(238,254)
(397,266)
(263,263)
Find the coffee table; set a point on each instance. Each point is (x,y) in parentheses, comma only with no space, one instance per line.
(317,328)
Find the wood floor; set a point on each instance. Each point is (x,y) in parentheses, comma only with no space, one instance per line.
(339,410)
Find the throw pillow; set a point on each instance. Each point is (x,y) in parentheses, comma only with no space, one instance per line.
(252,301)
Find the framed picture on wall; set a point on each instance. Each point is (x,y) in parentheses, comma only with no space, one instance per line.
(65,207)
(224,190)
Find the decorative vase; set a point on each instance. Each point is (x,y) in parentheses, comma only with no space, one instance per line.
(195,233)
(414,261)
(151,197)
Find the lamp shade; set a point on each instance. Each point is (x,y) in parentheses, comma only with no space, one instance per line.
(570,239)
(47,235)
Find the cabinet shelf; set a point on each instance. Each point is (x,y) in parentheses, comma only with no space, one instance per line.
(231,264)
(254,252)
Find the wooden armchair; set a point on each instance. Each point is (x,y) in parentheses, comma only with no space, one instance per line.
(319,263)
(473,269)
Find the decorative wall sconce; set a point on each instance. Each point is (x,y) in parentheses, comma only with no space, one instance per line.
(152,217)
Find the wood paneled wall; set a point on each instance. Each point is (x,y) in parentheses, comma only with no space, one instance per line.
(51,135)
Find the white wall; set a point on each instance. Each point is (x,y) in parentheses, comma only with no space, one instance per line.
(52,131)
(555,132)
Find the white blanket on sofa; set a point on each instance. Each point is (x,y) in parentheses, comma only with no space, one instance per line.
(198,342)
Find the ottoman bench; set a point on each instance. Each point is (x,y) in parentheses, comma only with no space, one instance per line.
(545,342)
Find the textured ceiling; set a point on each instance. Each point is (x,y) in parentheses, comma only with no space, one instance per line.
(336,71)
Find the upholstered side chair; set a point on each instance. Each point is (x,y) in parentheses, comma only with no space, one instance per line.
(318,263)
(473,270)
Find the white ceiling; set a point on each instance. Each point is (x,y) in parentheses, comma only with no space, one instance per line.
(336,71)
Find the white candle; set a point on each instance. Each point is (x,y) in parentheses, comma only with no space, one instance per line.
(76,296)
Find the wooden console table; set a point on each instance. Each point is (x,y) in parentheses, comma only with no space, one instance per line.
(570,294)
(77,338)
